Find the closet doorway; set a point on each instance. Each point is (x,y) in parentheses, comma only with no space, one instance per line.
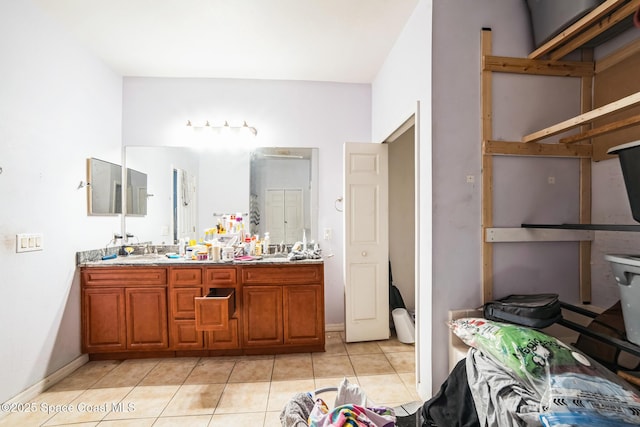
(402,212)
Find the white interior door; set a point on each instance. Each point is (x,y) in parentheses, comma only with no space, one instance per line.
(366,242)
(284,215)
(293,214)
(274,214)
(185,205)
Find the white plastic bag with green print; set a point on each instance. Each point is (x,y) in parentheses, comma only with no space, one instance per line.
(567,382)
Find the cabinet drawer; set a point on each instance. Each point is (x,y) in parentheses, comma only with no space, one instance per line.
(285,274)
(214,310)
(185,276)
(124,276)
(220,276)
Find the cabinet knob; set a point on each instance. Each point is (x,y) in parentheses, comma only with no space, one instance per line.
(364,253)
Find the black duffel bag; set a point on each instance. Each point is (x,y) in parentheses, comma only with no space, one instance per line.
(533,310)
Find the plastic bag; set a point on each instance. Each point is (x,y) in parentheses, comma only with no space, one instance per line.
(566,382)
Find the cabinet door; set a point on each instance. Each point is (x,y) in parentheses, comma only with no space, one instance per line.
(303,314)
(224,340)
(183,335)
(262,315)
(103,320)
(146,310)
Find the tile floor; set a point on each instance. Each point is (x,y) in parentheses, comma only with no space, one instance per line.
(219,391)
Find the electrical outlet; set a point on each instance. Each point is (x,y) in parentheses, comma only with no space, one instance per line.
(328,234)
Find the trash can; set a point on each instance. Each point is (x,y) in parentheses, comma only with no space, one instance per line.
(550,17)
(626,269)
(629,155)
(405,328)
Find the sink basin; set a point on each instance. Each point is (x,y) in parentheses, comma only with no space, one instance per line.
(275,256)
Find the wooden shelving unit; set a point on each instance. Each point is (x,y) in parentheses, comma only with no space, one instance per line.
(547,60)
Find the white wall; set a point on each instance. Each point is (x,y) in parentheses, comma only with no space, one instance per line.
(286,114)
(521,104)
(58,107)
(403,83)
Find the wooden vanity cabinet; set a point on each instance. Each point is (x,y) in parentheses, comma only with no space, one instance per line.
(124,309)
(131,311)
(283,306)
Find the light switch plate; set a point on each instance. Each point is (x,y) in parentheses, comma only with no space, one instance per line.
(29,242)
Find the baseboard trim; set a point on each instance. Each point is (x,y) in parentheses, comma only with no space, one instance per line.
(334,327)
(42,385)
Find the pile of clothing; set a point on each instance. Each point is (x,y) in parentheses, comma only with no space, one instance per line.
(351,408)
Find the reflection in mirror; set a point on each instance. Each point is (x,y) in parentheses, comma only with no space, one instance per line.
(136,192)
(214,182)
(283,198)
(189,186)
(104,192)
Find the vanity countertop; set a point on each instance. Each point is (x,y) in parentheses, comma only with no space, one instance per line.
(161,260)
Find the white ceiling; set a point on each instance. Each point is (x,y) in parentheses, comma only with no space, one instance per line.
(322,40)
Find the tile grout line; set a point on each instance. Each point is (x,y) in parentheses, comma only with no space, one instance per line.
(179,387)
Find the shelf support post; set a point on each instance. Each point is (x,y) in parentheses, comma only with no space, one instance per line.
(487,169)
(586,104)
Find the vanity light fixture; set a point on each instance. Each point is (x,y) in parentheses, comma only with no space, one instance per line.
(225,127)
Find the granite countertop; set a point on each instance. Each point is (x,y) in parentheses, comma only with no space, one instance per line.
(93,258)
(163,261)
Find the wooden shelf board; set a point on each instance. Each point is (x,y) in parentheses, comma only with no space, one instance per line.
(513,148)
(588,117)
(602,130)
(590,33)
(574,30)
(505,64)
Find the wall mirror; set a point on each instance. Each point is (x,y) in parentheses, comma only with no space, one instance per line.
(136,192)
(104,189)
(193,187)
(283,196)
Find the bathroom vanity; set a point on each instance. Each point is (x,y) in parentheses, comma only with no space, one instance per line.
(142,307)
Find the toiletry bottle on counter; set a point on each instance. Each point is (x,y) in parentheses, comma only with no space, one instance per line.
(265,243)
(181,247)
(258,247)
(252,246)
